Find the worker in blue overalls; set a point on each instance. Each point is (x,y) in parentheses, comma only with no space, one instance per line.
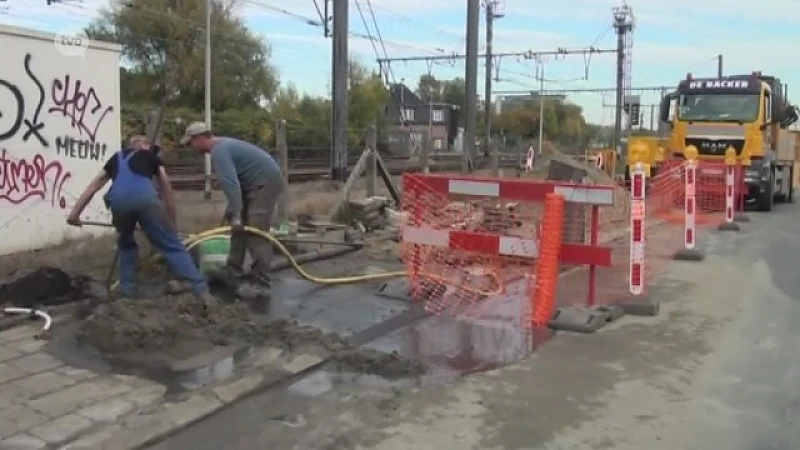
(133,199)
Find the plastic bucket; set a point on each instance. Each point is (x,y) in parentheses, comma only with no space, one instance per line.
(212,254)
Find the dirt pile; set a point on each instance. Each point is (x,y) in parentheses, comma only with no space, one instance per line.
(621,207)
(155,326)
(152,324)
(45,286)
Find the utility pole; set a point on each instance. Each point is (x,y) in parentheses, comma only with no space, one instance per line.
(622,26)
(719,66)
(491,14)
(339,104)
(471,81)
(207,156)
(541,107)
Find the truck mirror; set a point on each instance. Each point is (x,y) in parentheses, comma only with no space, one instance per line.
(666,102)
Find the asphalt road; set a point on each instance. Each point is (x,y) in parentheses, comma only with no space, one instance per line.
(718,369)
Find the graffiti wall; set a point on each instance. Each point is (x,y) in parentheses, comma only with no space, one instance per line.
(59,122)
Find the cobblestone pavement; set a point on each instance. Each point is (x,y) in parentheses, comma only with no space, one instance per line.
(45,403)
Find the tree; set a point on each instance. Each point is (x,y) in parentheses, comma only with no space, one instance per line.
(430,89)
(454,92)
(164,43)
(367,100)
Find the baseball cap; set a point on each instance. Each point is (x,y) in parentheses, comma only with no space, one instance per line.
(194,129)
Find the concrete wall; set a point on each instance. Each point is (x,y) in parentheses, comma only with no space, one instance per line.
(59,122)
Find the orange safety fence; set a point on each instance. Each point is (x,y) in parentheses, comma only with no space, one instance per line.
(471,244)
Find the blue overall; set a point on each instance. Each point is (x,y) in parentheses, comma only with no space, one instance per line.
(133,199)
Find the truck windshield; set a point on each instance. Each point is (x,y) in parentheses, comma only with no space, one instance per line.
(719,107)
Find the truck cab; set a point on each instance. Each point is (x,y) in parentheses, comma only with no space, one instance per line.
(748,113)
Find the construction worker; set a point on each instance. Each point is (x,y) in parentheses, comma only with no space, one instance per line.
(252,183)
(133,200)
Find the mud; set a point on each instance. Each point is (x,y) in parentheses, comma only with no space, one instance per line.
(45,286)
(154,331)
(387,365)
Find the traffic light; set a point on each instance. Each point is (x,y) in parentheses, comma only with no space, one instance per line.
(634,114)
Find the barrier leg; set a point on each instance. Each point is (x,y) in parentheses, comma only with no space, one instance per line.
(690,252)
(730,199)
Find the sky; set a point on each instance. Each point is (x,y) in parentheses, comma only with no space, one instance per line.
(670,40)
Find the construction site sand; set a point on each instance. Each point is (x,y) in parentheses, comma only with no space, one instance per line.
(149,331)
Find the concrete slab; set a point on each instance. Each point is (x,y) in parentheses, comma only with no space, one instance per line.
(44,382)
(17,419)
(61,429)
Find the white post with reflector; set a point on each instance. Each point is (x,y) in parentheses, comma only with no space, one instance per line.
(690,205)
(730,192)
(638,217)
(689,251)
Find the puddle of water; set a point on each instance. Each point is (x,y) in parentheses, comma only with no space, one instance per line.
(324,381)
(453,346)
(197,378)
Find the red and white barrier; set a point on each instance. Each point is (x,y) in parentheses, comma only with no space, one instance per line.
(690,208)
(637,240)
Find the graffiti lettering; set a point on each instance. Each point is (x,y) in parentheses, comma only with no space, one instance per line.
(34,127)
(18,110)
(83,106)
(23,180)
(80,149)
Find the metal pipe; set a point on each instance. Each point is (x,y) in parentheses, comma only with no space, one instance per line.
(320,242)
(207,156)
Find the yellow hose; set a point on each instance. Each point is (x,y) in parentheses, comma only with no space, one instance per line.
(196,239)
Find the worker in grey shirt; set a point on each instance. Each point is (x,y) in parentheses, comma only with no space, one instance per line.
(252,183)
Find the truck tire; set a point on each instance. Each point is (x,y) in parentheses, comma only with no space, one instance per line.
(783,193)
(790,196)
(766,199)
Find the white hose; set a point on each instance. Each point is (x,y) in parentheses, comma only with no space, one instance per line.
(36,312)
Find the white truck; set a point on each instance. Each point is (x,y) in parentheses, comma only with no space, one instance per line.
(59,122)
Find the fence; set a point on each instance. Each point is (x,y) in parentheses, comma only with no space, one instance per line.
(508,249)
(472,244)
(671,214)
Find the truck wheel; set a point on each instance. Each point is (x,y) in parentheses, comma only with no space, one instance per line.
(782,194)
(765,200)
(790,196)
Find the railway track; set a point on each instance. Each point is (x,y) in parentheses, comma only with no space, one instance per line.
(187,175)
